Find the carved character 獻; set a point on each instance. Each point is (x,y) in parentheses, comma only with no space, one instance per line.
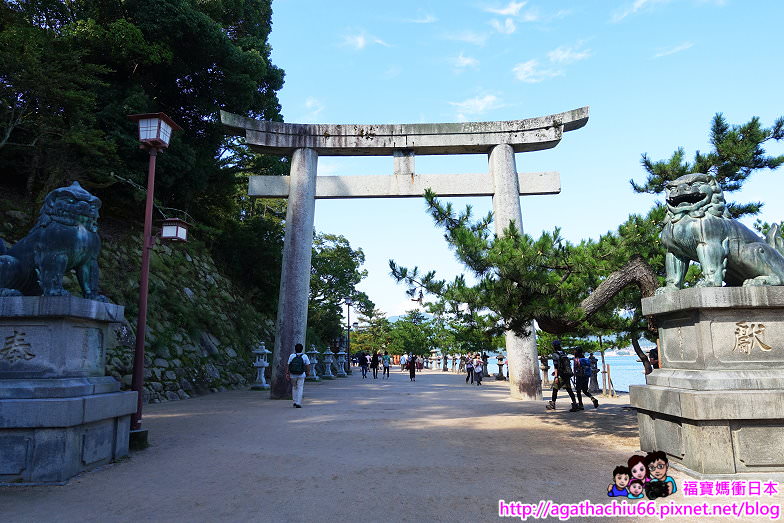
(64,238)
(698,228)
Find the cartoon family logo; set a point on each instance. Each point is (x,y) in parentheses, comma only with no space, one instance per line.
(643,474)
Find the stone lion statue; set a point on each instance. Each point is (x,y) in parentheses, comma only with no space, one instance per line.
(698,228)
(64,238)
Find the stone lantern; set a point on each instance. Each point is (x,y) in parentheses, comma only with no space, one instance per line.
(593,383)
(500,376)
(341,364)
(313,355)
(261,365)
(328,355)
(545,371)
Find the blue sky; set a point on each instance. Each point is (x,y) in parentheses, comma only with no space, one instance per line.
(654,72)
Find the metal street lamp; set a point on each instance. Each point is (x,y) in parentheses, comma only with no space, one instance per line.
(349,302)
(155,130)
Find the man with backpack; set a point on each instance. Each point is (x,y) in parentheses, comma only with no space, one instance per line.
(582,373)
(563,376)
(298,368)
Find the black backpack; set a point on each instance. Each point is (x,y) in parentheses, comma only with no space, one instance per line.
(562,365)
(297,365)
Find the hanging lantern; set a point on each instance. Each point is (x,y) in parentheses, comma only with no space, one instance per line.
(174,229)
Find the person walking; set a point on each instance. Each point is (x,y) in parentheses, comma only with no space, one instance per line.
(469,365)
(386,361)
(403,362)
(363,364)
(582,373)
(479,370)
(412,365)
(374,364)
(461,365)
(563,376)
(298,367)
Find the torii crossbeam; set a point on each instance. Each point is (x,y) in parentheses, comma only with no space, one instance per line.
(306,142)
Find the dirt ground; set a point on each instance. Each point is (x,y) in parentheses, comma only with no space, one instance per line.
(360,450)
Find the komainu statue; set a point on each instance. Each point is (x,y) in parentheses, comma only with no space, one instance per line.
(64,238)
(698,227)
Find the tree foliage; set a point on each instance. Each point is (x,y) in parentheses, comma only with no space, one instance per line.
(335,273)
(737,152)
(72,71)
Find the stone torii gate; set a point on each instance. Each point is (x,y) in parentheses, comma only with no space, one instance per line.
(304,143)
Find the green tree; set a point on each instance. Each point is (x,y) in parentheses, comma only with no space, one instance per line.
(737,152)
(373,334)
(411,334)
(335,273)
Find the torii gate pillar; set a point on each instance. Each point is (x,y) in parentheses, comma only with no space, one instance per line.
(295,271)
(521,353)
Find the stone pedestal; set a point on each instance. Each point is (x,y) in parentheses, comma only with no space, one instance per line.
(59,414)
(716,405)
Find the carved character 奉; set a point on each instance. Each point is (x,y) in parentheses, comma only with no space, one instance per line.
(698,228)
(64,238)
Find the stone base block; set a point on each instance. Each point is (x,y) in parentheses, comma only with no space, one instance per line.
(713,434)
(49,440)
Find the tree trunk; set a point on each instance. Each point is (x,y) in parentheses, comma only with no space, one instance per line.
(636,271)
(640,354)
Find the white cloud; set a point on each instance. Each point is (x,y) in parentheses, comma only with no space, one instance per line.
(469,37)
(425,18)
(672,50)
(314,107)
(360,40)
(462,61)
(633,8)
(532,15)
(476,106)
(568,54)
(507,28)
(511,9)
(529,72)
(392,71)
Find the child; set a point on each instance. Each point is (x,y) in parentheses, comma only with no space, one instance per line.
(620,480)
(638,469)
(657,467)
(635,489)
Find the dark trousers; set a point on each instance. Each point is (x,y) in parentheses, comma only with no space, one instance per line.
(582,387)
(385,372)
(565,384)
(364,370)
(470,375)
(375,373)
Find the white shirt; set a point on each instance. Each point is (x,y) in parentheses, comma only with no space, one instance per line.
(304,359)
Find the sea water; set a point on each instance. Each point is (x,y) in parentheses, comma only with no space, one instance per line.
(624,370)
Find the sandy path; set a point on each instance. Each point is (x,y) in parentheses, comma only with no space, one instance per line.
(372,450)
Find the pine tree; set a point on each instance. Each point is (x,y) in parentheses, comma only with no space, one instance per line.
(737,152)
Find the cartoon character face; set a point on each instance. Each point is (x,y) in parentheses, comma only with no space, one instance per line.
(658,469)
(621,480)
(638,471)
(635,489)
